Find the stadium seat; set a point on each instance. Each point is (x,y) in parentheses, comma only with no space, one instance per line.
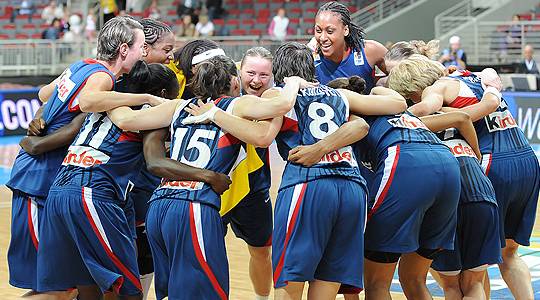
(22,36)
(255,32)
(238,32)
(4,36)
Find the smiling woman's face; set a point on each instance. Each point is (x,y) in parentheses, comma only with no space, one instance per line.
(330,33)
(256,75)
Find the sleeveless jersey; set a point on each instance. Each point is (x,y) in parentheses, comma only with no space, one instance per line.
(317,113)
(102,157)
(355,64)
(497,132)
(387,131)
(203,146)
(34,174)
(475,186)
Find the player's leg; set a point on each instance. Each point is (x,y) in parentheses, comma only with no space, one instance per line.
(260,269)
(472,284)
(515,272)
(323,290)
(487,287)
(292,291)
(449,281)
(413,269)
(251,220)
(378,275)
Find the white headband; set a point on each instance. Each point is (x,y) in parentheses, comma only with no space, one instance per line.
(206,55)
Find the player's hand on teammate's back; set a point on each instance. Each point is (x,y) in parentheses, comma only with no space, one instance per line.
(301,81)
(201,112)
(220,182)
(36,127)
(306,155)
(155,100)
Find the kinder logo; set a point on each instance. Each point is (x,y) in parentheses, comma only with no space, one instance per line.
(498,121)
(407,121)
(84,157)
(341,155)
(183,185)
(460,148)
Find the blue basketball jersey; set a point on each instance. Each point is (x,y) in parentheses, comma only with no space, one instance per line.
(498,131)
(391,130)
(355,64)
(145,180)
(34,174)
(102,157)
(475,185)
(318,112)
(204,146)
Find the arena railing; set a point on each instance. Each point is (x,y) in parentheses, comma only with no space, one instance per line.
(46,57)
(379,10)
(453,17)
(490,42)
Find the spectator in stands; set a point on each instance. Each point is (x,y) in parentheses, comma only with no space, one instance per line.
(90,28)
(454,56)
(215,9)
(205,27)
(528,64)
(52,11)
(75,29)
(186,28)
(152,11)
(187,7)
(26,8)
(278,27)
(54,30)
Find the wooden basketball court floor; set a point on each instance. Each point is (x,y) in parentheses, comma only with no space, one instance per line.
(240,285)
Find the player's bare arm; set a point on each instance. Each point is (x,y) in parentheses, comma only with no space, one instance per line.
(35,145)
(351,132)
(159,165)
(96,95)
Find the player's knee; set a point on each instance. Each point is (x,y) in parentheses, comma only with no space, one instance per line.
(260,253)
(510,250)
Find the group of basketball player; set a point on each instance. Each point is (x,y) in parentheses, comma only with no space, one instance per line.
(449,182)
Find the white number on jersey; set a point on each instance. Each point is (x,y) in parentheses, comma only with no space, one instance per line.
(194,142)
(315,127)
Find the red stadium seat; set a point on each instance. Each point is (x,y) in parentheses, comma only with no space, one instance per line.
(9,27)
(36,36)
(234,12)
(233,22)
(218,22)
(29,26)
(248,22)
(525,17)
(4,36)
(264,13)
(171,12)
(294,21)
(22,36)
(44,26)
(249,12)
(263,21)
(238,32)
(255,32)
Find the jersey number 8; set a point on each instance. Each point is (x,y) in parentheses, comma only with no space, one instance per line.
(315,127)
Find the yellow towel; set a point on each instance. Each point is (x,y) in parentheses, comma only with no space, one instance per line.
(245,164)
(180,76)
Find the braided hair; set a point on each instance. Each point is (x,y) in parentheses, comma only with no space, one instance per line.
(154,30)
(355,39)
